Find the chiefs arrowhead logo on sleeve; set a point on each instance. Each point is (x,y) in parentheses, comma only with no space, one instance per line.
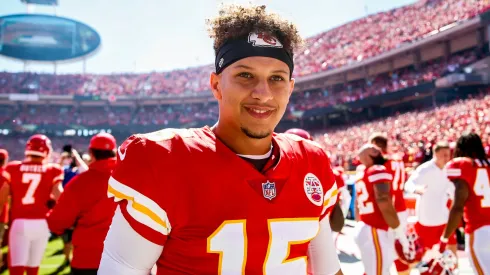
(263,40)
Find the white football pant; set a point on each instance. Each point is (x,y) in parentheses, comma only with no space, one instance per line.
(27,242)
(376,247)
(478,249)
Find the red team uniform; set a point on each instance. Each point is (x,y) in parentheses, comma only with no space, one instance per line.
(31,184)
(374,240)
(397,169)
(476,210)
(215,213)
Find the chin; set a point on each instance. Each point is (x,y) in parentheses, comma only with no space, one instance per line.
(256,133)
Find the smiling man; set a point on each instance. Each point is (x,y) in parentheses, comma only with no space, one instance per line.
(235,198)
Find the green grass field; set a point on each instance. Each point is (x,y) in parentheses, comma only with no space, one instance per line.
(52,261)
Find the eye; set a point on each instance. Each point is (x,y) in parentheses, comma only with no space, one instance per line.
(277,78)
(245,75)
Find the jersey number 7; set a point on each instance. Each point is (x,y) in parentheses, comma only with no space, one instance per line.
(33,180)
(230,242)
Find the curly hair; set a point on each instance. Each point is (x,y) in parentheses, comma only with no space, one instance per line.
(237,21)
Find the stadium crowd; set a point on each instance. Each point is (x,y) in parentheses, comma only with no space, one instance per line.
(414,133)
(185,113)
(352,42)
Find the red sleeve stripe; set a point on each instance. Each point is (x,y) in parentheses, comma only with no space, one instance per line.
(141,208)
(453,172)
(380,176)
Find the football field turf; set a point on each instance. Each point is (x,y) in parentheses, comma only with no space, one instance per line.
(53,259)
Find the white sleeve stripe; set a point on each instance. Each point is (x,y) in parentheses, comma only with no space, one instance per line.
(145,219)
(381,176)
(140,207)
(330,197)
(454,172)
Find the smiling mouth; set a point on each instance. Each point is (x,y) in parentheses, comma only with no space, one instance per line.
(259,112)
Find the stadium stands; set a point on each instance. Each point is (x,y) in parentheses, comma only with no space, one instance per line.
(352,42)
(414,132)
(346,44)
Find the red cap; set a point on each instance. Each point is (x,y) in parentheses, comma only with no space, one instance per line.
(103,141)
(4,154)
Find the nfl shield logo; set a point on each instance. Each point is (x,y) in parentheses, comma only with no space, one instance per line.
(269,190)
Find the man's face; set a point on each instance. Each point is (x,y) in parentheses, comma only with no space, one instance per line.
(443,155)
(253,94)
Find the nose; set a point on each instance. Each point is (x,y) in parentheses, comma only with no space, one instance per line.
(262,91)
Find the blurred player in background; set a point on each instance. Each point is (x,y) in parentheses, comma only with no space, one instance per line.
(85,206)
(396,167)
(337,217)
(470,173)
(435,192)
(30,183)
(344,196)
(4,217)
(72,165)
(376,214)
(235,198)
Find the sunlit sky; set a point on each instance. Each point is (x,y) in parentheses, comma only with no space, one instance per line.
(161,35)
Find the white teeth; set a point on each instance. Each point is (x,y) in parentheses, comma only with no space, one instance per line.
(259,111)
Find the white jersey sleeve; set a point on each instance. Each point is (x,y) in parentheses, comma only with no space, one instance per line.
(322,254)
(345,201)
(134,256)
(416,179)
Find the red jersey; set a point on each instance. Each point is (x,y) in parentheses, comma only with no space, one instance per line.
(4,178)
(85,205)
(397,170)
(369,211)
(31,184)
(477,176)
(186,190)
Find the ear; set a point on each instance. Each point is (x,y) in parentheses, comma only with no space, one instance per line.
(214,83)
(291,84)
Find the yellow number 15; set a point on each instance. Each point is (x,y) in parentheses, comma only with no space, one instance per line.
(230,240)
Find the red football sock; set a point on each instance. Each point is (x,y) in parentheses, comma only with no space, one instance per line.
(17,270)
(32,270)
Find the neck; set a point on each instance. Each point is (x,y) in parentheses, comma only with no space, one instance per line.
(439,163)
(240,143)
(36,160)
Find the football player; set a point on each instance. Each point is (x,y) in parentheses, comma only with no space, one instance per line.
(470,173)
(377,214)
(31,183)
(235,198)
(430,182)
(337,217)
(85,206)
(396,167)
(344,198)
(4,217)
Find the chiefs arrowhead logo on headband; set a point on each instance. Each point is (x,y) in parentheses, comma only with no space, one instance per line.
(263,40)
(256,44)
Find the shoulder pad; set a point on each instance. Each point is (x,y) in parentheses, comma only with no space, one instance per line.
(377,168)
(167,134)
(297,138)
